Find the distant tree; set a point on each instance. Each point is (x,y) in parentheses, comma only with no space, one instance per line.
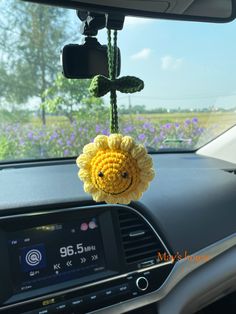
(133,109)
(71,98)
(31,36)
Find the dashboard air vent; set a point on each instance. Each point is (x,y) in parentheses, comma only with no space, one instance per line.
(140,243)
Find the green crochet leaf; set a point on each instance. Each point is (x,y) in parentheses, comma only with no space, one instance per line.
(101,85)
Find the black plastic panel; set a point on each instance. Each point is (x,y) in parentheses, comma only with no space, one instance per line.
(189,191)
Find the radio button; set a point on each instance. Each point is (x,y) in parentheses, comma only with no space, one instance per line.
(41,311)
(60,308)
(92,297)
(108,293)
(142,283)
(76,302)
(123,288)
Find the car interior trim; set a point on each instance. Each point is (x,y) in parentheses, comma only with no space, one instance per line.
(177,274)
(181,269)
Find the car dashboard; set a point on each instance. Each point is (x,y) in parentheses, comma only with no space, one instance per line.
(61,252)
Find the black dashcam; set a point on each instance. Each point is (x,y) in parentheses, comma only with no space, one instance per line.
(87,60)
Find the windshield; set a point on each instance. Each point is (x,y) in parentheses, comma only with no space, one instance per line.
(188,69)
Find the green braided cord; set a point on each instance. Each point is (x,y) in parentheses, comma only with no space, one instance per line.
(101,85)
(115,57)
(114,125)
(109,52)
(115,119)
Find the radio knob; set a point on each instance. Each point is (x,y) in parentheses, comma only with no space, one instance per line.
(142,283)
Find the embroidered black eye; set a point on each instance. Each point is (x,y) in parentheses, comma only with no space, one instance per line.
(125,175)
(100,174)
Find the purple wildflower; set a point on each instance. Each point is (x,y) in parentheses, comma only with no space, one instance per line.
(128,129)
(168,125)
(53,136)
(72,136)
(146,125)
(140,118)
(97,128)
(105,132)
(30,135)
(156,140)
(142,137)
(60,142)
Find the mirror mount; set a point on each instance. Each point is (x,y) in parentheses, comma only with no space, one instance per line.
(93,22)
(115,21)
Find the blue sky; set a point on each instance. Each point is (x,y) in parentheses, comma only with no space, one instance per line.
(183,64)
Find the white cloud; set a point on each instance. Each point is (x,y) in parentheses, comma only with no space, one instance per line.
(142,54)
(134,21)
(171,63)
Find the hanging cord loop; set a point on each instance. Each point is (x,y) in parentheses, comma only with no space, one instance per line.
(101,85)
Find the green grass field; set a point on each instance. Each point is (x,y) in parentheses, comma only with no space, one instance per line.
(206,119)
(224,119)
(60,138)
(220,121)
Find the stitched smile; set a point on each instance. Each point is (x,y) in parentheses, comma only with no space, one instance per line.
(121,191)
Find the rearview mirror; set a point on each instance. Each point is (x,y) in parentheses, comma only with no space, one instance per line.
(193,10)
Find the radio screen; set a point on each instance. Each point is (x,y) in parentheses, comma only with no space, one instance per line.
(51,254)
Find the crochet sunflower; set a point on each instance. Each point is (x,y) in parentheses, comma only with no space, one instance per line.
(115,169)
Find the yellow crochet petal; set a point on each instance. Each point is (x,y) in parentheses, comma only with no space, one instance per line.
(138,151)
(90,149)
(89,187)
(109,199)
(145,162)
(144,185)
(84,175)
(83,161)
(101,141)
(149,175)
(137,195)
(98,196)
(127,143)
(123,200)
(114,141)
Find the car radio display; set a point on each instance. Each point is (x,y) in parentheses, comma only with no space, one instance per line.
(55,253)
